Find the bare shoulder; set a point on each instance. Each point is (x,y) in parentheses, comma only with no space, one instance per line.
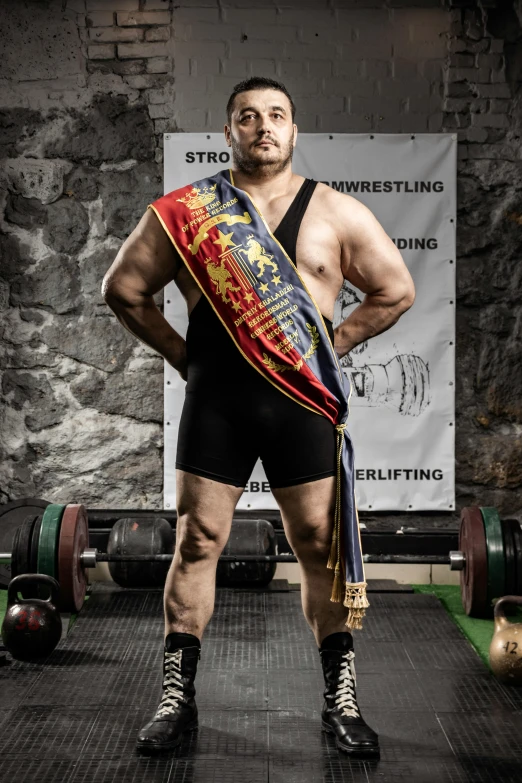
(356,226)
(146,261)
(369,257)
(347,211)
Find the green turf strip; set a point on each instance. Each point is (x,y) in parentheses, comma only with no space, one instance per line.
(479,632)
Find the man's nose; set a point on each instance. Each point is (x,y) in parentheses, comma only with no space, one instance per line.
(263,125)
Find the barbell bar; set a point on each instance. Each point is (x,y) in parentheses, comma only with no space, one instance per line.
(89,558)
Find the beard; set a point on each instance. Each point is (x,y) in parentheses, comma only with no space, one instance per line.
(249,163)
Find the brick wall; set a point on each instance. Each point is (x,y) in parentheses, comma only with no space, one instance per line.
(87,90)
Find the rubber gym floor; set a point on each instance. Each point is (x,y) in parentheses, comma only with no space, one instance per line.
(422,683)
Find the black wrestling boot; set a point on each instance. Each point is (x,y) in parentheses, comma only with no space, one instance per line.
(341,715)
(177,711)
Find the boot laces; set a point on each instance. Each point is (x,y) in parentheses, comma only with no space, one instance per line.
(172,684)
(345,698)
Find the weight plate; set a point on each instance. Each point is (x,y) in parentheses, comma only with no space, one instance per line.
(510,586)
(142,536)
(474,576)
(48,543)
(13,514)
(15,554)
(11,517)
(517,537)
(496,557)
(509,544)
(24,542)
(35,540)
(74,539)
(24,549)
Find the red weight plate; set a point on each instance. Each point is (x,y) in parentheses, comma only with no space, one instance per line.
(74,538)
(474,576)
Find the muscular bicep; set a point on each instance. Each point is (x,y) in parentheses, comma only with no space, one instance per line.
(370,259)
(145,263)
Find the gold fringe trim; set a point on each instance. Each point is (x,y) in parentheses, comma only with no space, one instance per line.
(355,593)
(357,602)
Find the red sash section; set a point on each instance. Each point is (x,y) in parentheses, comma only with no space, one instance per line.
(204,241)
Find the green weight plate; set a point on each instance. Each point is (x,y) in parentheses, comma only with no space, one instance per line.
(48,543)
(496,556)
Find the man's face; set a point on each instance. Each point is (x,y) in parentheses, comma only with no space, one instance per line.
(262,135)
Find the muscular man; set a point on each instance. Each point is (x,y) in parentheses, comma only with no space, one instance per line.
(330,237)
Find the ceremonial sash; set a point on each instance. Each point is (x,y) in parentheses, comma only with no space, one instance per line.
(261,299)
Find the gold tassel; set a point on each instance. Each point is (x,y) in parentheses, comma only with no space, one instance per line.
(333,549)
(337,593)
(356,600)
(334,558)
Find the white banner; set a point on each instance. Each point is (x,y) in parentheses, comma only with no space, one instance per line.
(402,407)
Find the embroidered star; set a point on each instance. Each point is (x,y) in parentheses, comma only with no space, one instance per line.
(276,279)
(236,306)
(248,297)
(224,240)
(264,287)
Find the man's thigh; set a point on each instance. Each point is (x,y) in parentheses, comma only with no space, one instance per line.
(205,507)
(307,512)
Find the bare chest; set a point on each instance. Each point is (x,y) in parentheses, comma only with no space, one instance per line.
(318,254)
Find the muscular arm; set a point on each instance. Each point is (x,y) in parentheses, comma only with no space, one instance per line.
(372,262)
(145,263)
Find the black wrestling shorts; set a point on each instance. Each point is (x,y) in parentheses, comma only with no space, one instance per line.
(232,415)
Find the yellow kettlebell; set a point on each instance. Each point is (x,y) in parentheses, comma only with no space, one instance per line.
(505,650)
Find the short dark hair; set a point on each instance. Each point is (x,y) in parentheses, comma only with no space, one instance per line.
(257,83)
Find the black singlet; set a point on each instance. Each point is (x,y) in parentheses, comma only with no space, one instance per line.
(232,415)
(208,354)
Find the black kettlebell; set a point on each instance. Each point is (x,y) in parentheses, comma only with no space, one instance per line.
(32,627)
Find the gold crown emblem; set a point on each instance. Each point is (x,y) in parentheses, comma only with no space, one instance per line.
(199,198)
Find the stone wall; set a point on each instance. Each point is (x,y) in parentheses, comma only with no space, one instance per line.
(87,89)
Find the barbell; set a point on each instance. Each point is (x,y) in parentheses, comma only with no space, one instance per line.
(56,543)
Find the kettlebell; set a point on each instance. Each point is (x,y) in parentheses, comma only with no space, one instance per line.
(32,627)
(505,650)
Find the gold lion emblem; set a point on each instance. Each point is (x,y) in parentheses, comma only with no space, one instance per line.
(256,253)
(220,276)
